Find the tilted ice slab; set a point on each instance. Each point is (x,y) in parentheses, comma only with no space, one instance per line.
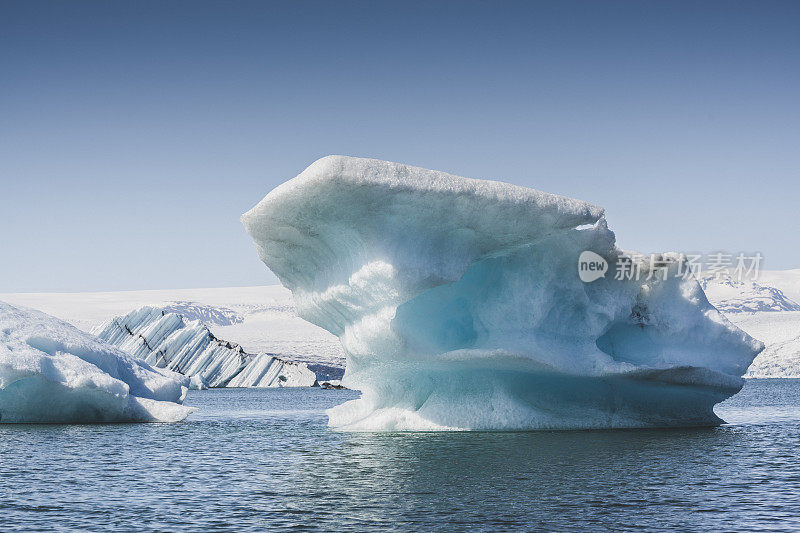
(266,370)
(52,372)
(459,306)
(168,340)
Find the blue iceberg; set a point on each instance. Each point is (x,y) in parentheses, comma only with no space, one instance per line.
(460,305)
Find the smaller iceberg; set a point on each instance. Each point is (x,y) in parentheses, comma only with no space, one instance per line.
(169,340)
(51,372)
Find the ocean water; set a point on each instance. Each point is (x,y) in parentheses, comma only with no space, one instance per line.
(264,460)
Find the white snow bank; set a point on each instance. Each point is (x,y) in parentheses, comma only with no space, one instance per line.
(52,372)
(459,306)
(168,340)
(779,359)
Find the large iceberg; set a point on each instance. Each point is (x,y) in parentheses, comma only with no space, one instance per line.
(52,372)
(168,340)
(459,305)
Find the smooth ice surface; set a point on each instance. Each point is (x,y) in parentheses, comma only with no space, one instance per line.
(167,340)
(459,306)
(52,372)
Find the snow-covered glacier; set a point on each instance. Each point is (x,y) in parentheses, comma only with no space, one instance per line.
(731,295)
(768,310)
(50,372)
(167,340)
(459,305)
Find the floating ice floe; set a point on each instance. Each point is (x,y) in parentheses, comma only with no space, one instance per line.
(168,340)
(51,372)
(459,305)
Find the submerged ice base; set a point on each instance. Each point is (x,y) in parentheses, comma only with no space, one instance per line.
(459,305)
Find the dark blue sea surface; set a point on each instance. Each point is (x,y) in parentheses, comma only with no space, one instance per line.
(264,460)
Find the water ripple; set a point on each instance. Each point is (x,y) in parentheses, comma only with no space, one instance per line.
(263,459)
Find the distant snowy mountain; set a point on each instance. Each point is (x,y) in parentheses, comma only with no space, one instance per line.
(730,295)
(767,309)
(168,340)
(207,314)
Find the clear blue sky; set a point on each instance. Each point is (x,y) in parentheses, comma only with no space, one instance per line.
(134,134)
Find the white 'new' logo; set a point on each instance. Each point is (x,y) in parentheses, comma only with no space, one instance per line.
(591,266)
